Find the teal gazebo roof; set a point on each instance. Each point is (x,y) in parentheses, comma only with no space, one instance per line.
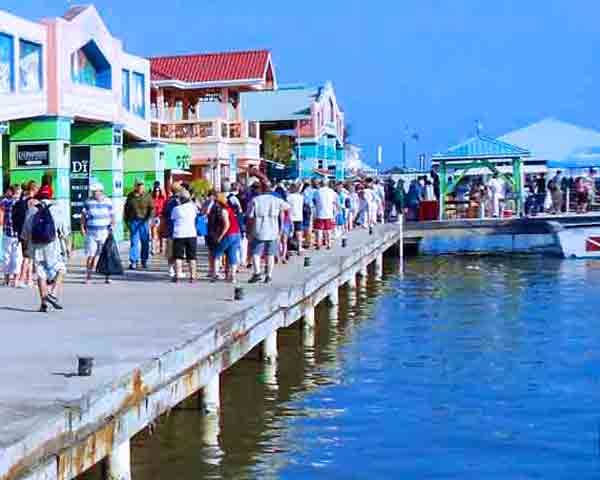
(480,148)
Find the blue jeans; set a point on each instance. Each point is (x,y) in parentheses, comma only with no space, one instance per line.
(139,232)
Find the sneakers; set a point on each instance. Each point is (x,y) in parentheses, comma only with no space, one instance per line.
(52,300)
(44,308)
(257,277)
(268,279)
(132,266)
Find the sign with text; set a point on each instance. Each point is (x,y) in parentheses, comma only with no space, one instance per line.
(37,155)
(80,183)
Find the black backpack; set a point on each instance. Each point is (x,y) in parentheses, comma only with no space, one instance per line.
(19,212)
(43,228)
(215,222)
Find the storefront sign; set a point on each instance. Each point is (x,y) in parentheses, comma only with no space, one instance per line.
(80,183)
(37,155)
(233,168)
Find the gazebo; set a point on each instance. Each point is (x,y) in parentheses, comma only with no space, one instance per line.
(480,155)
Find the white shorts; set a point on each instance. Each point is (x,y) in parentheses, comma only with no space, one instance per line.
(94,242)
(13,256)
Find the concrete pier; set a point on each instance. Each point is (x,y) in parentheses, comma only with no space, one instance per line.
(154,344)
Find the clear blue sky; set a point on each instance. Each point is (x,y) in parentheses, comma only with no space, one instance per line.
(436,65)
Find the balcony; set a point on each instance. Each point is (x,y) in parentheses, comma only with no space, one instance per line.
(211,138)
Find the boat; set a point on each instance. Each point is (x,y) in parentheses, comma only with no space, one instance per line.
(578,240)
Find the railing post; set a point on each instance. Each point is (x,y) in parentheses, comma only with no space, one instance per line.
(401,242)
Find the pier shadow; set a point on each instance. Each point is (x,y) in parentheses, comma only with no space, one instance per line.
(20,310)
(65,374)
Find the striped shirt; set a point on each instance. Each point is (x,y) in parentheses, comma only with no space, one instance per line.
(98,214)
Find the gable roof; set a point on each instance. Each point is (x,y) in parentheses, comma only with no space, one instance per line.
(481,147)
(553,140)
(244,66)
(286,103)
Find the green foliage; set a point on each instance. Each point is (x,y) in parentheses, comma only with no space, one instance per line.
(279,148)
(201,187)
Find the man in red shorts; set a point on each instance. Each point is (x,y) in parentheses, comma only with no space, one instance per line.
(325,211)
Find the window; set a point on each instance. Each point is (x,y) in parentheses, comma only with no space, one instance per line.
(7,76)
(90,67)
(138,101)
(125,88)
(30,66)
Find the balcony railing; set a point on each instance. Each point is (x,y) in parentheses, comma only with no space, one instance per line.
(204,129)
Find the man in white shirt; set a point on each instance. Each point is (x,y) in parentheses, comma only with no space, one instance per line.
(496,187)
(263,221)
(325,211)
(296,201)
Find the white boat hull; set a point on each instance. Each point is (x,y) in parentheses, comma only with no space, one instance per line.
(581,241)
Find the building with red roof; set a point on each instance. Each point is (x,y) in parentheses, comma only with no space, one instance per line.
(195,99)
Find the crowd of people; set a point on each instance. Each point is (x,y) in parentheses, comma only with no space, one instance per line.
(491,197)
(252,227)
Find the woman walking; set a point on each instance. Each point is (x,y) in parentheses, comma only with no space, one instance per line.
(159,199)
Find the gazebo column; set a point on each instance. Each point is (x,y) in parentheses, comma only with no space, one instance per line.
(443,188)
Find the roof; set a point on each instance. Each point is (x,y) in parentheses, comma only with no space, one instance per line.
(553,140)
(74,11)
(211,67)
(286,103)
(581,159)
(480,147)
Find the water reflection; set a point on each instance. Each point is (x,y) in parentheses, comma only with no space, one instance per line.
(487,365)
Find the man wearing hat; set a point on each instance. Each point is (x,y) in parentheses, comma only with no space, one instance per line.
(139,209)
(97,217)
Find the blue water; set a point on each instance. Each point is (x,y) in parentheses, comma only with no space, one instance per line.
(464,368)
(467,368)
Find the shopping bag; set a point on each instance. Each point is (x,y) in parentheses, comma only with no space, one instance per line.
(202,225)
(243,250)
(109,262)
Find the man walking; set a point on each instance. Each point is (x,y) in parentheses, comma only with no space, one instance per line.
(139,209)
(96,219)
(325,211)
(263,218)
(45,232)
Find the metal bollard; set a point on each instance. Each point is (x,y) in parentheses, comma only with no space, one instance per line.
(84,366)
(238,294)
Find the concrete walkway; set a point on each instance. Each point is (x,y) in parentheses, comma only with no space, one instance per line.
(123,325)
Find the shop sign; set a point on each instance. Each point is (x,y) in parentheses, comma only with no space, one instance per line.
(37,155)
(117,136)
(80,183)
(183,162)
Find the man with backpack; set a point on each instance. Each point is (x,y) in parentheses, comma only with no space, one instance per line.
(19,214)
(45,232)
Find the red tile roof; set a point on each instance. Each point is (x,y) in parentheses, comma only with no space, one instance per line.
(211,67)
